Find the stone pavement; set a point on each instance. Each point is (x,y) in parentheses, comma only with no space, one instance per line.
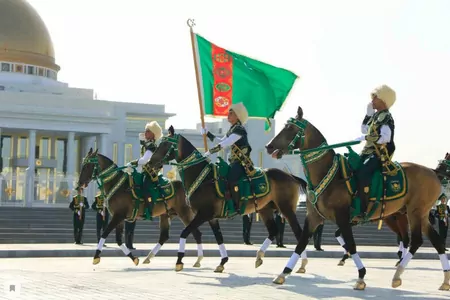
(234,250)
(118,278)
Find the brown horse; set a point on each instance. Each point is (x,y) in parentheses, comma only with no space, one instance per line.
(398,223)
(199,179)
(332,199)
(121,205)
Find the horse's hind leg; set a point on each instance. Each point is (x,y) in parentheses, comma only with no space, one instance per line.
(391,222)
(219,238)
(164,225)
(297,230)
(194,224)
(115,220)
(266,215)
(122,246)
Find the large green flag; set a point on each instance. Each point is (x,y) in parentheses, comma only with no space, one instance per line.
(228,78)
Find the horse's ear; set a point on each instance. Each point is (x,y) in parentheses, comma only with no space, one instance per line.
(171,130)
(299,113)
(90,151)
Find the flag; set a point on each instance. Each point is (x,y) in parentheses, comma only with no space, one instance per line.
(228,77)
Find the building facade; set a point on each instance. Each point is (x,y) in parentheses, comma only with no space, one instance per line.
(47,127)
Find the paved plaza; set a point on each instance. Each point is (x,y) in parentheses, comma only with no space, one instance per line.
(118,278)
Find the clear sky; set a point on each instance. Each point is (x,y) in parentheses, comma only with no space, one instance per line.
(140,51)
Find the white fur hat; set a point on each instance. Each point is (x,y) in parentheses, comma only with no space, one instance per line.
(240,111)
(155,128)
(386,94)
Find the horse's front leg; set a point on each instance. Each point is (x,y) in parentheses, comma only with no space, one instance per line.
(164,225)
(115,220)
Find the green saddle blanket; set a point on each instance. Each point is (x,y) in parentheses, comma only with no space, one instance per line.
(258,186)
(396,185)
(162,191)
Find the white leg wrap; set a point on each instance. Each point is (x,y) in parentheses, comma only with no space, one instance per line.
(100,244)
(124,249)
(223,251)
(303,255)
(199,250)
(444,262)
(182,245)
(156,248)
(400,247)
(405,251)
(340,240)
(265,245)
(406,259)
(357,261)
(293,261)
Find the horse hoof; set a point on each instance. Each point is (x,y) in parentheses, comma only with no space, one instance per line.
(280,279)
(96,260)
(396,283)
(360,285)
(219,269)
(341,263)
(136,261)
(444,287)
(146,261)
(178,267)
(258,262)
(197,263)
(301,270)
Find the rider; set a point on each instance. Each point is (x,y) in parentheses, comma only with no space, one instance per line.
(378,129)
(153,132)
(235,137)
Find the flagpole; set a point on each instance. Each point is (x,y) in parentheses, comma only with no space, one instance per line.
(191,24)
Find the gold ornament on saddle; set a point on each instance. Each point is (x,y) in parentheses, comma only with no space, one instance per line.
(246,162)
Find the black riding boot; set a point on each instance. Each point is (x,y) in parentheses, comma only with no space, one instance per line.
(236,196)
(147,195)
(363,194)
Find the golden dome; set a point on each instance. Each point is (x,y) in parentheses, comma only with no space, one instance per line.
(24,38)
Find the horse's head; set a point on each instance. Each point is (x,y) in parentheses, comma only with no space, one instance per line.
(89,169)
(443,167)
(173,146)
(292,136)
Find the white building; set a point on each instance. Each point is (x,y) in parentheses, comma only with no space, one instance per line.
(47,127)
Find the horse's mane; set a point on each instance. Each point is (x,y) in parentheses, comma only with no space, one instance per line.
(107,159)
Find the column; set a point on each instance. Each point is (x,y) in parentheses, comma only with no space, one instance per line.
(70,161)
(120,153)
(15,147)
(102,145)
(52,145)
(30,184)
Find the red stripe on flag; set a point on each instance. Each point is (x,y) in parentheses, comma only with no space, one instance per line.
(223,80)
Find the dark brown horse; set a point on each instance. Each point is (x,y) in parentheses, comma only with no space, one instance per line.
(199,180)
(121,205)
(334,200)
(443,168)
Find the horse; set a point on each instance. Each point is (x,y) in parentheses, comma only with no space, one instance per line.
(398,223)
(443,168)
(272,189)
(123,203)
(333,198)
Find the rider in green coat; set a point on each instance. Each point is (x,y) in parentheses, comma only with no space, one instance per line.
(236,138)
(378,129)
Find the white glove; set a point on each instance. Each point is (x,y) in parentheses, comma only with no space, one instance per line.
(129,170)
(203,131)
(142,136)
(370,111)
(81,204)
(79,213)
(207,153)
(361,138)
(128,165)
(102,213)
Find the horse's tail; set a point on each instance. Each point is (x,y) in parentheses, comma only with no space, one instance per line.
(303,183)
